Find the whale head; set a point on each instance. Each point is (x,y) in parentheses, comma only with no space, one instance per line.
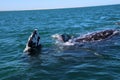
(61,37)
(33,46)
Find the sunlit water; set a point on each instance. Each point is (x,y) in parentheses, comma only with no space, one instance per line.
(94,61)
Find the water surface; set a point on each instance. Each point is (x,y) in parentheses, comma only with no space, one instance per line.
(55,64)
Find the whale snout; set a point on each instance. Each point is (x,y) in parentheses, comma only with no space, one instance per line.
(34,39)
(33,45)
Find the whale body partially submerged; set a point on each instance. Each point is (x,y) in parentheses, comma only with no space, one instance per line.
(66,40)
(33,46)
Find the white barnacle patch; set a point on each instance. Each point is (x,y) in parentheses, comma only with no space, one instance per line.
(106,33)
(101,34)
(83,40)
(116,32)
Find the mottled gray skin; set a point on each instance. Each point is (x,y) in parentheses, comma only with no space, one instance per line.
(33,46)
(97,36)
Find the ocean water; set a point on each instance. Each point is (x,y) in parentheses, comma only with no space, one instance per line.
(100,61)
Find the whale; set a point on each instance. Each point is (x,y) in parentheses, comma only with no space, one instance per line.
(67,40)
(33,45)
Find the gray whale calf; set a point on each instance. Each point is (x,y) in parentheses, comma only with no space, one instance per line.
(33,46)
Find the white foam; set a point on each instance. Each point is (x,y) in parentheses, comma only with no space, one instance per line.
(68,44)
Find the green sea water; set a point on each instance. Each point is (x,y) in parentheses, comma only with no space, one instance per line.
(52,63)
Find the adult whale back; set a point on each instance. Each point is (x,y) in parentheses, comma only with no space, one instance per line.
(92,37)
(33,46)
